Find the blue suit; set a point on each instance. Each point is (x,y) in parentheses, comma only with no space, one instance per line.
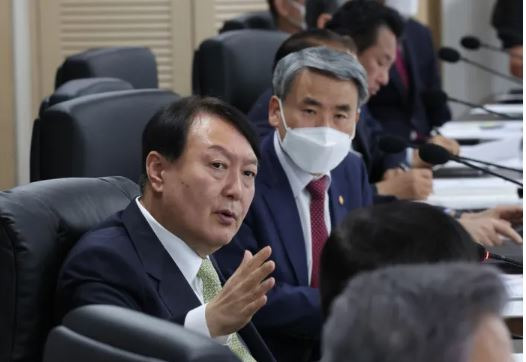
(402,110)
(291,320)
(121,262)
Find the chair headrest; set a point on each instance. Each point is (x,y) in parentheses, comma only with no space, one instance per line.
(140,334)
(135,65)
(98,135)
(236,66)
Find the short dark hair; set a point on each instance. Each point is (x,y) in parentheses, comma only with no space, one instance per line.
(398,232)
(272,9)
(167,131)
(311,38)
(361,20)
(412,313)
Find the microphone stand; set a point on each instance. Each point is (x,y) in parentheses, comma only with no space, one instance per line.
(492,71)
(491,164)
(469,104)
(485,170)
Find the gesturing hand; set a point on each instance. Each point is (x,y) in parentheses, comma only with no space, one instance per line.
(243,294)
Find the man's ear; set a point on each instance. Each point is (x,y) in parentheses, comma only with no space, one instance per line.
(322,20)
(155,166)
(281,8)
(358,113)
(274,115)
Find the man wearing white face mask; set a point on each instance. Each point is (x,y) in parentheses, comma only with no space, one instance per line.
(289,15)
(307,182)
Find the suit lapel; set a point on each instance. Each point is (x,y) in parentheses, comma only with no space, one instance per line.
(173,289)
(338,200)
(280,200)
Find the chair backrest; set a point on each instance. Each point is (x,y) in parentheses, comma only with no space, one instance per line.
(69,90)
(253,20)
(111,334)
(236,66)
(135,65)
(39,223)
(98,135)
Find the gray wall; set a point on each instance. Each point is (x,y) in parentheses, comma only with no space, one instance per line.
(460,80)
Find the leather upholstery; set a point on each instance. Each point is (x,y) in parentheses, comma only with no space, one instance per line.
(69,90)
(135,65)
(39,223)
(111,333)
(98,135)
(252,20)
(236,66)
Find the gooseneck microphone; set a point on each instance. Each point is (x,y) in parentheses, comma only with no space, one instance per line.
(451,55)
(471,42)
(438,97)
(485,255)
(438,155)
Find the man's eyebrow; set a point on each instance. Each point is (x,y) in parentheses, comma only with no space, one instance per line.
(344,107)
(311,101)
(230,155)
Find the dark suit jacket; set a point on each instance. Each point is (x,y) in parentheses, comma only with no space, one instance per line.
(121,262)
(400,111)
(291,320)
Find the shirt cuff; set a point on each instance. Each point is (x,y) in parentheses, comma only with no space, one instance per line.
(195,320)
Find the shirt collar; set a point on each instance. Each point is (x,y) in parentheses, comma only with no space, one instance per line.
(186,259)
(298,178)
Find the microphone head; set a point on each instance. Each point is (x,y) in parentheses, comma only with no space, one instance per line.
(449,54)
(392,144)
(433,154)
(470,42)
(434,98)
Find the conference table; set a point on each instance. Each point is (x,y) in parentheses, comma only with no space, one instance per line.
(487,137)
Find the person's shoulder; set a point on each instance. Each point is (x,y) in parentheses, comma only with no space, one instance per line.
(351,164)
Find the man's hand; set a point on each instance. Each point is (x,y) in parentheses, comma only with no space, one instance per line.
(449,144)
(242,295)
(491,226)
(416,184)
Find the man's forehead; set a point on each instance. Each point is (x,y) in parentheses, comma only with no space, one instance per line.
(218,134)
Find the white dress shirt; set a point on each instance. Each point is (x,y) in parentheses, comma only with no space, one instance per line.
(189,262)
(298,180)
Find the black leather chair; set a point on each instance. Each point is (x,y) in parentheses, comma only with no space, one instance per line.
(114,334)
(39,223)
(98,135)
(69,90)
(135,65)
(236,66)
(253,20)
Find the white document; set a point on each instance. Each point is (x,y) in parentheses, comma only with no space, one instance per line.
(507,108)
(513,284)
(494,151)
(483,130)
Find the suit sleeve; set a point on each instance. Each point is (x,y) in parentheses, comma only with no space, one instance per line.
(89,277)
(291,310)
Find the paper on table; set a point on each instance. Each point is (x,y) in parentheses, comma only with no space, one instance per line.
(472,193)
(517,357)
(494,151)
(513,284)
(508,108)
(484,130)
(512,309)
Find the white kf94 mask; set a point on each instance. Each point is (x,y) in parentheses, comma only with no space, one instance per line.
(316,150)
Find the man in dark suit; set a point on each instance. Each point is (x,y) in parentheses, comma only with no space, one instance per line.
(200,162)
(308,182)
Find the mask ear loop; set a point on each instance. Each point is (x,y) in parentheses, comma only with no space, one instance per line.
(282,114)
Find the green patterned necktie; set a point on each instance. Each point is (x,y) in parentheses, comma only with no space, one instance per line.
(211,287)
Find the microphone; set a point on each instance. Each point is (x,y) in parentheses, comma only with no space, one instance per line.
(473,43)
(488,255)
(435,98)
(451,55)
(438,155)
